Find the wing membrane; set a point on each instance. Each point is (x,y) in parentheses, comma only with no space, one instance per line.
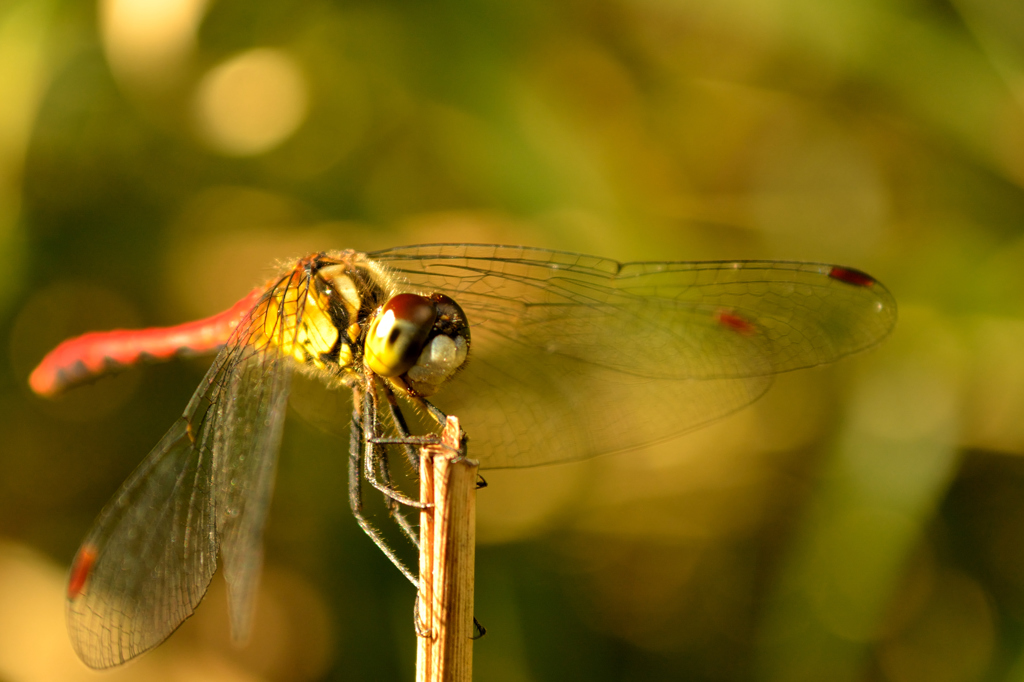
(247,446)
(574,356)
(151,554)
(155,549)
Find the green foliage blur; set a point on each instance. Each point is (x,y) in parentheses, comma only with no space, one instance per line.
(861,522)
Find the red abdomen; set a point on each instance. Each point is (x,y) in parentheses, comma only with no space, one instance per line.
(85,357)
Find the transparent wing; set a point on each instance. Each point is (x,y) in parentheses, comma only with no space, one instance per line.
(574,356)
(150,556)
(248,441)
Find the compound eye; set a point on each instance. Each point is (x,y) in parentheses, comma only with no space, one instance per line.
(397,335)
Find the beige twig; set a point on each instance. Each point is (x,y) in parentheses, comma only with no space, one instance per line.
(447,556)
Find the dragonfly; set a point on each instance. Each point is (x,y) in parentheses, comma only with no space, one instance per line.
(546,356)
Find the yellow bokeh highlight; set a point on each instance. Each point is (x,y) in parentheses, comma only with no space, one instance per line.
(145,39)
(291,639)
(252,102)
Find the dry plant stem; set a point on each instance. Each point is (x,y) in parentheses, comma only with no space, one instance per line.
(447,556)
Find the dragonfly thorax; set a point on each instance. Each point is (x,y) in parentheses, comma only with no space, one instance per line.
(317,314)
(340,314)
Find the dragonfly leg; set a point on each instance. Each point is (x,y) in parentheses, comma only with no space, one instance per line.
(402,427)
(429,439)
(440,417)
(355,491)
(407,441)
(421,629)
(378,458)
(374,458)
(480,629)
(435,412)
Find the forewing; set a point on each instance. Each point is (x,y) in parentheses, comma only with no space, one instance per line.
(150,557)
(574,355)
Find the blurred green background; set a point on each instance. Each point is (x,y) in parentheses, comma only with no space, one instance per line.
(862,522)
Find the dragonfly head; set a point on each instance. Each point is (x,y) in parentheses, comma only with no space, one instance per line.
(418,341)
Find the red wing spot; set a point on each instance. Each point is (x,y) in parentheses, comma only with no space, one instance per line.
(851,276)
(81,569)
(733,321)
